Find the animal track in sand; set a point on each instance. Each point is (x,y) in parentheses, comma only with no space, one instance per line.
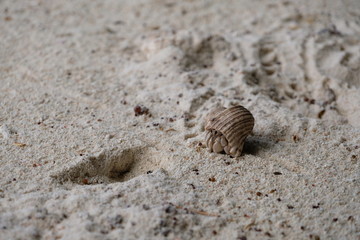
(202,55)
(112,166)
(200,51)
(295,71)
(339,59)
(268,57)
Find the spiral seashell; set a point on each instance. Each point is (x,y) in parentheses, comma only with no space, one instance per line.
(227,128)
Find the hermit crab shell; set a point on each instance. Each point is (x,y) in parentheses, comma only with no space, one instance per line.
(227,128)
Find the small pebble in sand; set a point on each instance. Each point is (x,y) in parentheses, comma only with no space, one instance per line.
(212,179)
(19,144)
(140,110)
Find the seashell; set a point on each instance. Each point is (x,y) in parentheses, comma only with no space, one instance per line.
(227,128)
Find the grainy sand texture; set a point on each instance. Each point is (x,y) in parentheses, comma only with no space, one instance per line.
(101,119)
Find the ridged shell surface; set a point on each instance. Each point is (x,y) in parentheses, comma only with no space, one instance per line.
(227,128)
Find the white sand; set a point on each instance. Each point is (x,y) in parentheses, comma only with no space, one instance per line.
(76,163)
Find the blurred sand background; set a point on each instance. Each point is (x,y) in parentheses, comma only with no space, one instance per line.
(76,163)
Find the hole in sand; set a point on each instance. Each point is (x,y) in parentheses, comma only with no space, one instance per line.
(113,166)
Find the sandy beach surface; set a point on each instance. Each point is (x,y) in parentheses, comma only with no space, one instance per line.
(102,107)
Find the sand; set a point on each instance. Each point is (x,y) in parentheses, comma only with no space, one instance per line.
(77,163)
